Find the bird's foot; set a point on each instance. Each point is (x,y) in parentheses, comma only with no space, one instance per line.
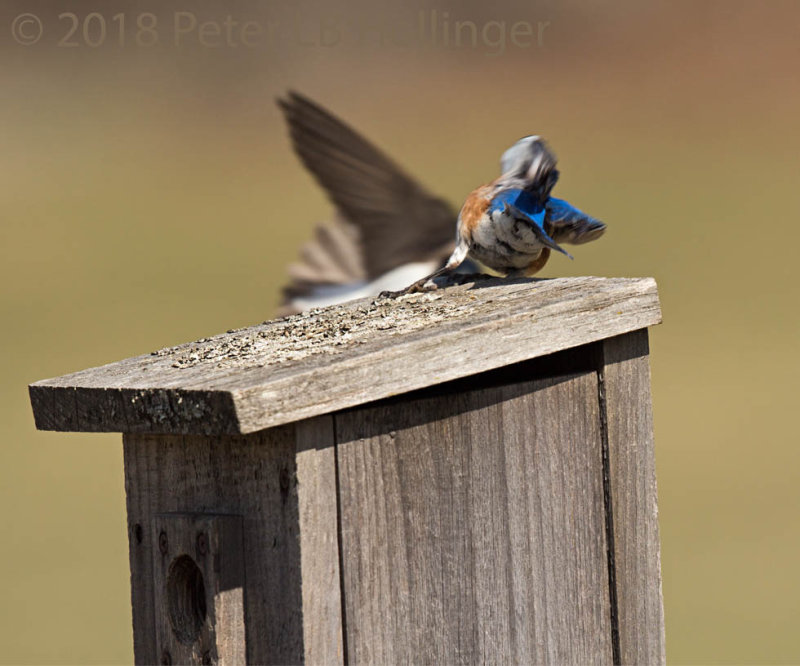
(420,286)
(427,284)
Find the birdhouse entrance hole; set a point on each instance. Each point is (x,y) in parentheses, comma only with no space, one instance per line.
(186,599)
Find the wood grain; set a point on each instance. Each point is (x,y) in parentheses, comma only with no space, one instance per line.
(473,527)
(256,477)
(213,545)
(326,360)
(319,542)
(626,387)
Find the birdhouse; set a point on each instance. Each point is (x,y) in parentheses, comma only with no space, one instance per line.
(459,476)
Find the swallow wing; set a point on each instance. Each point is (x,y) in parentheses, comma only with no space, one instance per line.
(567,224)
(397,219)
(332,258)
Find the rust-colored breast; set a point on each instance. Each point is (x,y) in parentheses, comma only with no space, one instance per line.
(474,208)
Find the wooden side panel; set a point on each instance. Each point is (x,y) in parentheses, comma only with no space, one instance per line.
(259,477)
(626,387)
(199,588)
(473,527)
(319,542)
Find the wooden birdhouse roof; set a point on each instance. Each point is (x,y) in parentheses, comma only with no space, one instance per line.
(330,359)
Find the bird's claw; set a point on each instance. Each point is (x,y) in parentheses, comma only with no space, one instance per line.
(430,284)
(421,286)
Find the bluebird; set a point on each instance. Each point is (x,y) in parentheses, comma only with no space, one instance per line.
(388,231)
(512,224)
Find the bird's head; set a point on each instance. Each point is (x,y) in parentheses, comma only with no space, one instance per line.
(517,159)
(530,159)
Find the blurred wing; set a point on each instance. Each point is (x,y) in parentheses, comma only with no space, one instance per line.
(328,261)
(567,224)
(398,220)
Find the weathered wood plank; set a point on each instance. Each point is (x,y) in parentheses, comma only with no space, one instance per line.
(254,477)
(343,356)
(199,589)
(282,482)
(626,388)
(319,546)
(473,527)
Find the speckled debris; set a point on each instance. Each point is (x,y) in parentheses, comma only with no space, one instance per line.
(317,331)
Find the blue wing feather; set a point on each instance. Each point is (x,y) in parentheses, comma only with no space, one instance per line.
(521,200)
(567,224)
(557,221)
(536,227)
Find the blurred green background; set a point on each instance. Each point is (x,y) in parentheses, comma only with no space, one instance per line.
(149,196)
